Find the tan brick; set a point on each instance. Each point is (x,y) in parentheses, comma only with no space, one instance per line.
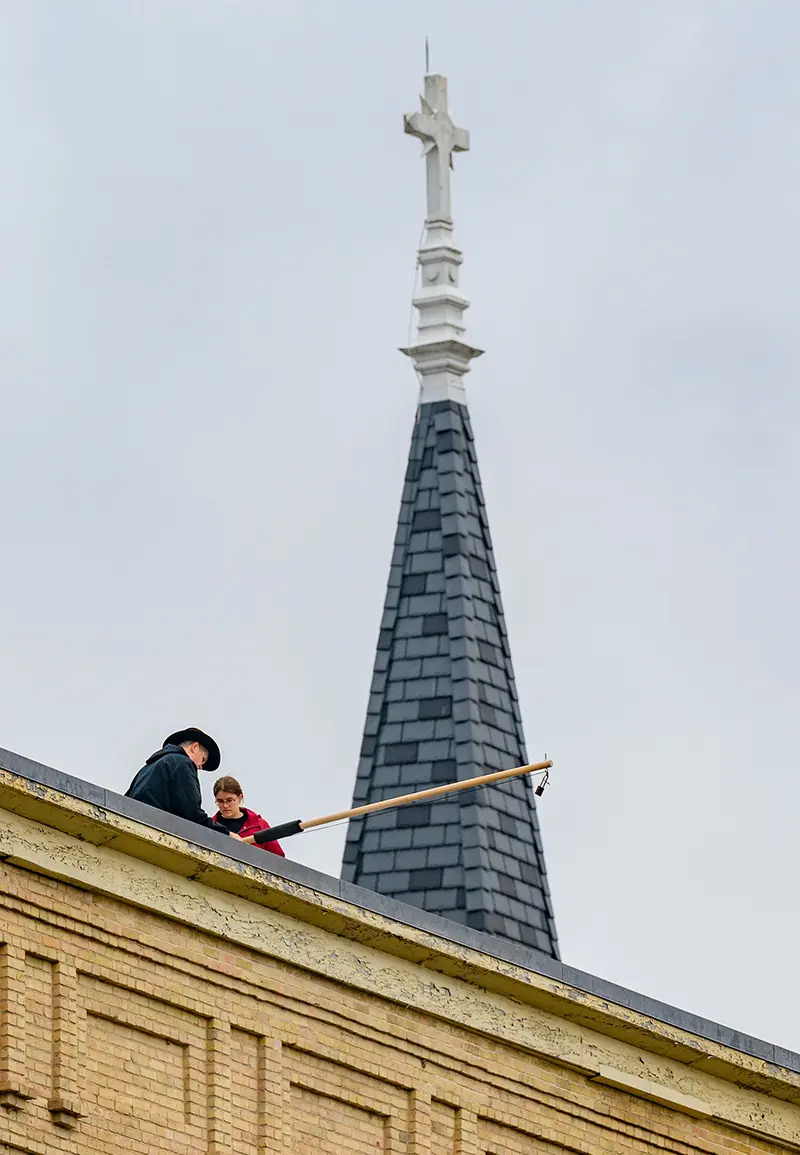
(135,1031)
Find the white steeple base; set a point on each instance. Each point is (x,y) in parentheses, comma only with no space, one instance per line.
(441,366)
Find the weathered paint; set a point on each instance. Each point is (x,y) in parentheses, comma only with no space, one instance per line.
(60,837)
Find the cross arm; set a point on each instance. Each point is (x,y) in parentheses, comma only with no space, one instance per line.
(418,124)
(460,140)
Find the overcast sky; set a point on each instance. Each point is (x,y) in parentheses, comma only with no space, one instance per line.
(208,223)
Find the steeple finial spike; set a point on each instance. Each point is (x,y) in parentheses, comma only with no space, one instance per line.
(427,58)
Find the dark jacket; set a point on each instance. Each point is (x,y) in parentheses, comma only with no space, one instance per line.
(168,780)
(252,823)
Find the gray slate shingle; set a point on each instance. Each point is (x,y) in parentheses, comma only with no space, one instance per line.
(444,706)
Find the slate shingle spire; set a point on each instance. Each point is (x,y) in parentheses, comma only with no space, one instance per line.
(443,703)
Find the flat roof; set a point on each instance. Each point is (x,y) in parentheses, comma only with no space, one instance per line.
(411,916)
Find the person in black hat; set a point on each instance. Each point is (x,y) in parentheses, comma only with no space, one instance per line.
(168,780)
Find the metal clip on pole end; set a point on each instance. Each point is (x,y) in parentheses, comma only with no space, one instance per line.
(539,791)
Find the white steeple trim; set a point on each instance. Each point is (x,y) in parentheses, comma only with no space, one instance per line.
(441,356)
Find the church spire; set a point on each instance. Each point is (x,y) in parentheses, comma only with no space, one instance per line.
(443,703)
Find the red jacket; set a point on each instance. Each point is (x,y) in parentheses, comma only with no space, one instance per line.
(252,823)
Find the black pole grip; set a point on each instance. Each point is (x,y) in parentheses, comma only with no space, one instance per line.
(276,832)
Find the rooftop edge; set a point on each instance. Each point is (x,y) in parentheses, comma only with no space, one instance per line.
(500,949)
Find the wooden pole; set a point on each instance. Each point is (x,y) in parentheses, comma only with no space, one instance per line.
(422,795)
(298,825)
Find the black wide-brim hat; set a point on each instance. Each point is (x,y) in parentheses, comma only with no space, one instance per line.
(192,734)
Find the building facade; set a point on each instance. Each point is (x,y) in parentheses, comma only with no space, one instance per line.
(164,990)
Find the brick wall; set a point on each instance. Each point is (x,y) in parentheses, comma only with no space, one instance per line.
(127,1032)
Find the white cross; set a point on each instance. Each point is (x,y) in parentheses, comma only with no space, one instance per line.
(440,139)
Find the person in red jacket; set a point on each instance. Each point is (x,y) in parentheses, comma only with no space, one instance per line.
(235,818)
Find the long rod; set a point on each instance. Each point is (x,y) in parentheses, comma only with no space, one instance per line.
(295,827)
(433,792)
